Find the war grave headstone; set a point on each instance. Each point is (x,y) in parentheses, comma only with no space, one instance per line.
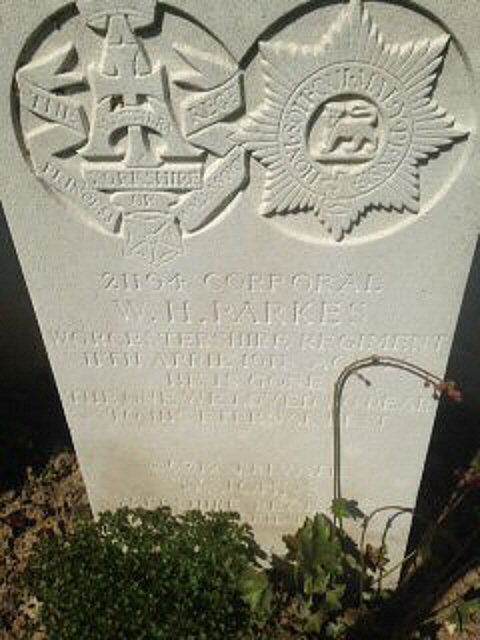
(219,205)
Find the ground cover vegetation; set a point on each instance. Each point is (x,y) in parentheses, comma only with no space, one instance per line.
(152,574)
(137,574)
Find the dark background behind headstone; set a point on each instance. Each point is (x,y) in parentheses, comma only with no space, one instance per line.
(456,433)
(32,424)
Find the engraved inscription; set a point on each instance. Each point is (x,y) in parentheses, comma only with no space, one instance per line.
(236,357)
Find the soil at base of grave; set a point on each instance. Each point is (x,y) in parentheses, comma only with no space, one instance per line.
(49,504)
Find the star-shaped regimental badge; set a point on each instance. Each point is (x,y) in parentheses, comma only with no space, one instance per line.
(345,124)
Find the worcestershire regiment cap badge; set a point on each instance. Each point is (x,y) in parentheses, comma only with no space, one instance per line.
(345,124)
(148,135)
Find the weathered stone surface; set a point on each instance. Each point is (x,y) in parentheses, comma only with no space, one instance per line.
(217,207)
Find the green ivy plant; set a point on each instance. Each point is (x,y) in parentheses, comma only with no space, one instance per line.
(313,590)
(326,586)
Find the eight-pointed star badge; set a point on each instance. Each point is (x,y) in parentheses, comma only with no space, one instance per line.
(345,124)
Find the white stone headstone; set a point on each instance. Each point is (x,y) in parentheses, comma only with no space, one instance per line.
(218,205)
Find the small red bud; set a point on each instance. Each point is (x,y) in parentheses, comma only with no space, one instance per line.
(456,395)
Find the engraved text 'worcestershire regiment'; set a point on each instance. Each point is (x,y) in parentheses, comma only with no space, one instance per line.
(343,128)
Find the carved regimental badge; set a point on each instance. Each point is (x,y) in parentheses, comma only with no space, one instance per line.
(148,158)
(346,124)
(147,133)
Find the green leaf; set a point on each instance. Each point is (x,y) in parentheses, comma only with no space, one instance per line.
(318,548)
(466,613)
(346,509)
(336,629)
(334,597)
(257,592)
(475,465)
(314,622)
(316,585)
(353,563)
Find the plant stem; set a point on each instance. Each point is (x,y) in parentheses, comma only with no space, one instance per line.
(376,361)
(355,367)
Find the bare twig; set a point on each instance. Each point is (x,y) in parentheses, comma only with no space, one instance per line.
(355,368)
(430,379)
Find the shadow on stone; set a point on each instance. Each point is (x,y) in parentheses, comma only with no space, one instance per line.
(456,432)
(32,424)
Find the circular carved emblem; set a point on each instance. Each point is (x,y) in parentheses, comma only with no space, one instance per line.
(147,134)
(130,123)
(353,117)
(345,130)
(346,125)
